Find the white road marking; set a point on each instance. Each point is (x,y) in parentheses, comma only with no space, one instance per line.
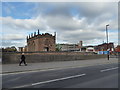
(25,72)
(109,69)
(59,79)
(38,70)
(43,82)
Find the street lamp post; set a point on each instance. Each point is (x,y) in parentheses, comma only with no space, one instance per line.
(107,40)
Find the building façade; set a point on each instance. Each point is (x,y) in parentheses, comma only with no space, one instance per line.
(41,42)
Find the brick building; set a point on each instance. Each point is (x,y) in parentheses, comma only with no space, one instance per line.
(41,42)
(22,49)
(70,47)
(104,47)
(117,49)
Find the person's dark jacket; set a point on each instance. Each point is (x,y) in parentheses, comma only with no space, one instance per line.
(23,57)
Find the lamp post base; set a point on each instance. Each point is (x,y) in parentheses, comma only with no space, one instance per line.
(108,57)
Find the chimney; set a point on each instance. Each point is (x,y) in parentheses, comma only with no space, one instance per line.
(55,34)
(80,43)
(34,33)
(38,32)
(29,35)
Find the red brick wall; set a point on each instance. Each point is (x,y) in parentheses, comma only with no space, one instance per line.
(117,49)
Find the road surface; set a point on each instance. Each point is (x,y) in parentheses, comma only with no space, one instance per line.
(97,76)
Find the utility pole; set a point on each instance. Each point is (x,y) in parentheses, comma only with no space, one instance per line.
(107,41)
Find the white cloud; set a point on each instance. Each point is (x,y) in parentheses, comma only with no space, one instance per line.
(8,43)
(28,24)
(88,24)
(65,23)
(13,37)
(60,1)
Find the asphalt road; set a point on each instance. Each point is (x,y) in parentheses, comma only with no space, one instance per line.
(98,76)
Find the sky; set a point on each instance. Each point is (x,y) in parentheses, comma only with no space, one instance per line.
(72,21)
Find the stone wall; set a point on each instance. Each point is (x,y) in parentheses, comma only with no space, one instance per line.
(9,58)
(41,42)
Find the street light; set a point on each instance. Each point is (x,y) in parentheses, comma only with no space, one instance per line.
(107,40)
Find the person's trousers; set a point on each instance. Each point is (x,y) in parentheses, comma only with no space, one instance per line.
(22,61)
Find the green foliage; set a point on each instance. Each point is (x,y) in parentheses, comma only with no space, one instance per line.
(58,47)
(9,49)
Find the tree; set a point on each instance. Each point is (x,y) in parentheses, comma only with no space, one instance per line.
(13,48)
(58,47)
(9,49)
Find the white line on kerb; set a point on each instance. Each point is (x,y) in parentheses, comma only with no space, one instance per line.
(43,82)
(109,69)
(25,72)
(37,70)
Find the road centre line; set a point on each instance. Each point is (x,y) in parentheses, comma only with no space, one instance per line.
(44,82)
(59,79)
(109,69)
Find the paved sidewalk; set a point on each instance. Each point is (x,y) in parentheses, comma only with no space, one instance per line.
(11,68)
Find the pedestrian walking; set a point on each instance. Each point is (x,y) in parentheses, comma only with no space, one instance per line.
(22,60)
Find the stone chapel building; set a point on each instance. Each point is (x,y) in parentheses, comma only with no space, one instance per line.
(41,42)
